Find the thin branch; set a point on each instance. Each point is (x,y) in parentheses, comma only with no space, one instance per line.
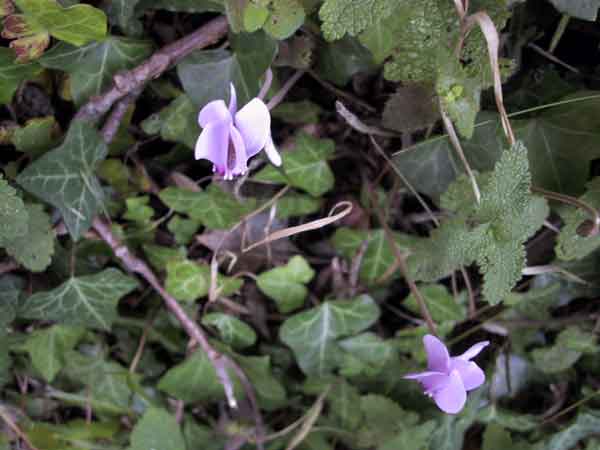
(278,98)
(111,126)
(126,82)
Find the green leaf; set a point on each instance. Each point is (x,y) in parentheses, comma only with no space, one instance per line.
(47,348)
(12,74)
(37,136)
(87,301)
(181,200)
(413,438)
(286,284)
(410,108)
(206,75)
(496,438)
(77,25)
(378,256)
(586,424)
(492,232)
(285,17)
(188,281)
(183,230)
(293,205)
(235,14)
(570,245)
(159,256)
(232,330)
(35,248)
(440,303)
(581,9)
(365,354)
(10,292)
(352,16)
(570,345)
(305,167)
(138,209)
(65,177)
(383,419)
(301,112)
(122,14)
(339,61)
(269,390)
(459,93)
(14,217)
(93,66)
(218,210)
(177,122)
(157,429)
(313,334)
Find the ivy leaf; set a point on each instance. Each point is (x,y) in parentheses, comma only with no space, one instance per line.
(93,66)
(338,61)
(47,348)
(364,354)
(233,331)
(293,205)
(138,209)
(37,136)
(12,74)
(206,75)
(412,438)
(570,245)
(440,303)
(65,177)
(285,17)
(122,14)
(570,345)
(188,281)
(183,230)
(35,248)
(77,25)
(496,438)
(286,284)
(352,16)
(89,300)
(157,429)
(218,209)
(581,9)
(378,257)
(10,292)
(13,214)
(177,122)
(313,334)
(585,424)
(305,167)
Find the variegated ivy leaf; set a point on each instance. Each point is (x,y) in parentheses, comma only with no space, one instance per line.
(65,177)
(89,301)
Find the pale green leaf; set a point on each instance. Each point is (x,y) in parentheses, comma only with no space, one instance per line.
(586,424)
(365,354)
(232,330)
(570,345)
(89,300)
(183,230)
(352,16)
(137,209)
(285,17)
(160,256)
(293,205)
(35,248)
(305,166)
(77,25)
(286,284)
(157,430)
(47,348)
(181,200)
(313,334)
(177,122)
(93,66)
(188,6)
(65,177)
(496,438)
(37,136)
(14,217)
(218,209)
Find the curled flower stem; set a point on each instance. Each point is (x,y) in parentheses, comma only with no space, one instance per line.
(563,198)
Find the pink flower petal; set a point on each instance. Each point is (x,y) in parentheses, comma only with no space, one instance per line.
(272,153)
(213,143)
(239,166)
(474,351)
(254,124)
(451,398)
(232,99)
(470,373)
(215,111)
(438,358)
(431,381)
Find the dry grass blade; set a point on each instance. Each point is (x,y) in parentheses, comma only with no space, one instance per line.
(314,225)
(493,44)
(311,418)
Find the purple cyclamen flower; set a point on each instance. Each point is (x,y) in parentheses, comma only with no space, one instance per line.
(229,137)
(449,378)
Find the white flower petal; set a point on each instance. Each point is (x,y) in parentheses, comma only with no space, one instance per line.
(253,122)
